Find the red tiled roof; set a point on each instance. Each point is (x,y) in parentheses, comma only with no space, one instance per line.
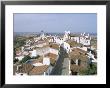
(25,68)
(38,70)
(51,55)
(54,46)
(78,54)
(76,68)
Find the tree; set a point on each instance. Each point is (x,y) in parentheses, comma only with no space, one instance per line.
(91,70)
(18,42)
(25,59)
(36,57)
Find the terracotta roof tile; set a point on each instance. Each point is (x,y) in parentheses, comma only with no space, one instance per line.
(51,55)
(25,68)
(38,70)
(54,46)
(78,54)
(72,43)
(77,68)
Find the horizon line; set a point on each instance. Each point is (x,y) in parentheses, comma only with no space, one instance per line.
(57,32)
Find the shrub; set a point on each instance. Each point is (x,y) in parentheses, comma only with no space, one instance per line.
(25,59)
(91,70)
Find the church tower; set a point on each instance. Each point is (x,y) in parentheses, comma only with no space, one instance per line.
(66,35)
(42,35)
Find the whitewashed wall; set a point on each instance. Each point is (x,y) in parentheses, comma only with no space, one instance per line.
(54,51)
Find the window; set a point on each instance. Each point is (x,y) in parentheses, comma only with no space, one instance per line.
(79,62)
(72,62)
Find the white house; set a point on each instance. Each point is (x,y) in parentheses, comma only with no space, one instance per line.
(36,39)
(22,49)
(83,48)
(45,50)
(58,40)
(37,64)
(66,46)
(85,39)
(40,43)
(42,50)
(46,61)
(25,53)
(33,53)
(19,57)
(77,39)
(28,42)
(66,35)
(54,51)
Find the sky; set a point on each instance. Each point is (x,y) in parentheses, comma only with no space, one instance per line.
(55,22)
